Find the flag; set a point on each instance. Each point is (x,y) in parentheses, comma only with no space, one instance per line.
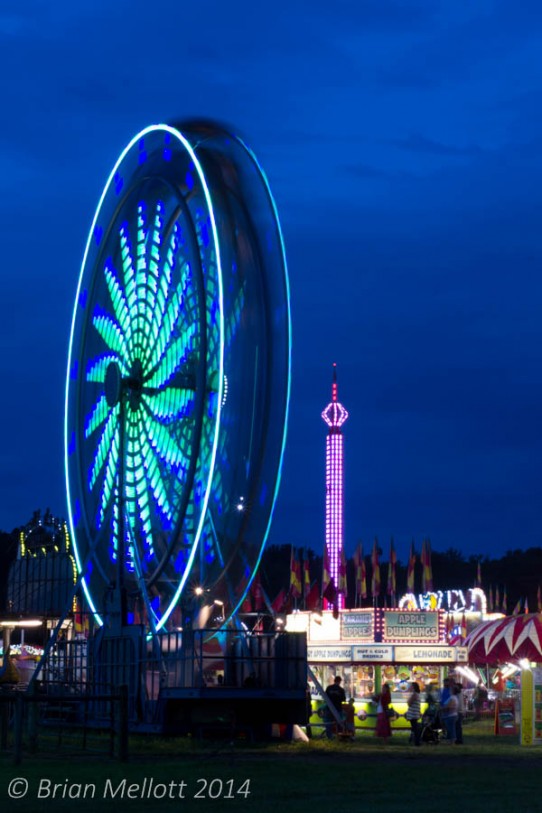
(246,605)
(526,605)
(329,591)
(410,571)
(312,600)
(427,574)
(343,587)
(279,601)
(490,599)
(504,602)
(360,574)
(392,581)
(375,581)
(295,575)
(479,574)
(357,571)
(517,608)
(306,577)
(539,599)
(463,626)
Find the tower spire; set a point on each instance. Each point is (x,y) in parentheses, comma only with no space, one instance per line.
(334,415)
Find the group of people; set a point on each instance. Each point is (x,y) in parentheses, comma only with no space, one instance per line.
(449,706)
(445,708)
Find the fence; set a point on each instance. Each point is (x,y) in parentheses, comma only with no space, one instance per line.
(50,718)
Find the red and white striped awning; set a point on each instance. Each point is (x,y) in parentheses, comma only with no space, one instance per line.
(507,639)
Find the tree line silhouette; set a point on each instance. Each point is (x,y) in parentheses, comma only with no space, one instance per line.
(518,573)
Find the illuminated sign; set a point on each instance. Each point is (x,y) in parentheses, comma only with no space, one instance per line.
(357,625)
(410,626)
(372,653)
(430,654)
(473,601)
(381,653)
(319,654)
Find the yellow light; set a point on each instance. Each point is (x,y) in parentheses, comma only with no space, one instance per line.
(30,622)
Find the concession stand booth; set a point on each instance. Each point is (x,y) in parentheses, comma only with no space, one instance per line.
(420,641)
(514,644)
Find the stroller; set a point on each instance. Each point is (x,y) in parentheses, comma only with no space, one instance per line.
(431,725)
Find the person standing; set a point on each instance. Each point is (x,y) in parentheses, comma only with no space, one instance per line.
(308,712)
(449,712)
(414,712)
(336,696)
(383,711)
(479,700)
(445,692)
(458,691)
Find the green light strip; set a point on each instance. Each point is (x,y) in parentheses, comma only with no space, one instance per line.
(97,370)
(153,278)
(97,416)
(103,448)
(111,334)
(110,477)
(129,284)
(174,357)
(170,403)
(163,444)
(118,299)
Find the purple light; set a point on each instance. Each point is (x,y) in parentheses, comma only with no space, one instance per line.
(334,416)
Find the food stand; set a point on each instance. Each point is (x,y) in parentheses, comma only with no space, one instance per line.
(369,647)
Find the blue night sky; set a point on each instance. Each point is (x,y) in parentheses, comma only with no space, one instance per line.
(402,142)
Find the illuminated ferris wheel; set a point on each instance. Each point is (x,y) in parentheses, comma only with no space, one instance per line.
(178,377)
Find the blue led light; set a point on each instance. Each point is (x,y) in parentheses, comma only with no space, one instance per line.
(119,183)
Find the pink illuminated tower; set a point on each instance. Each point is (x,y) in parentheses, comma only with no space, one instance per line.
(335,415)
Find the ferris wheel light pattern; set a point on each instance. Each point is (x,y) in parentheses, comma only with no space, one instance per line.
(150,463)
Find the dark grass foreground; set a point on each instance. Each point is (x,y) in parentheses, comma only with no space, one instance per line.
(486,773)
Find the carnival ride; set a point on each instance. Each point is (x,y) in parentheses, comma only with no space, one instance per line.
(176,406)
(178,379)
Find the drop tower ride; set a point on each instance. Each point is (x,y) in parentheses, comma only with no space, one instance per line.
(334,416)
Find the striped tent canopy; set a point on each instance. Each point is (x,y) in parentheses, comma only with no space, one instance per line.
(507,639)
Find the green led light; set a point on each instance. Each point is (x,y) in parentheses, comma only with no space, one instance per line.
(103,448)
(120,306)
(97,416)
(170,403)
(172,358)
(110,333)
(97,369)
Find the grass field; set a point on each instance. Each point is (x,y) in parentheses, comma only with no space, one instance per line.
(486,773)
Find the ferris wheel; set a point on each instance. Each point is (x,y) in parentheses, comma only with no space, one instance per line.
(178,377)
